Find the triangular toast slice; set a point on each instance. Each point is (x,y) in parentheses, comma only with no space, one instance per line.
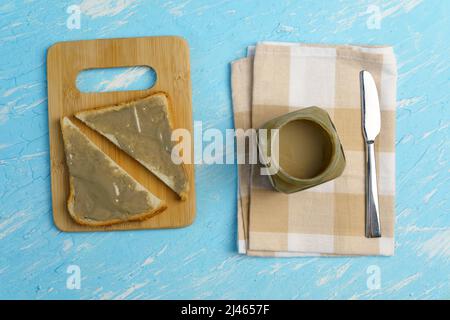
(101,192)
(143,130)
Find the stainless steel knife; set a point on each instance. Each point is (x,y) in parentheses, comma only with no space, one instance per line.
(371,122)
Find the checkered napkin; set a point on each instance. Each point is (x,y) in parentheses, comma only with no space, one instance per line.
(277,78)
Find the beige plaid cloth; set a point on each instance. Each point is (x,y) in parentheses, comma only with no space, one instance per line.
(277,78)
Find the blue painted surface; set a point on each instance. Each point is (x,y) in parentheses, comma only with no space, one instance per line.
(116,79)
(201,261)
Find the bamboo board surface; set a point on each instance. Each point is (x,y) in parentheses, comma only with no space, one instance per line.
(169,57)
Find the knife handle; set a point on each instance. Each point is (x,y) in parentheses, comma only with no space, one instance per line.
(372,211)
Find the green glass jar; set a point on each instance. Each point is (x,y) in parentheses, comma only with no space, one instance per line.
(300,150)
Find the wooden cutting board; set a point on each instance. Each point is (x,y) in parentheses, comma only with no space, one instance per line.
(169,57)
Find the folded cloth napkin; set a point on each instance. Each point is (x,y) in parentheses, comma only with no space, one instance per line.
(328,219)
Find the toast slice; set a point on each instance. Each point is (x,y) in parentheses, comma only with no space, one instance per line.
(101,192)
(143,130)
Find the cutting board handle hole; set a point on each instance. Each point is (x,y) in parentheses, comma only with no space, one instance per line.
(116,79)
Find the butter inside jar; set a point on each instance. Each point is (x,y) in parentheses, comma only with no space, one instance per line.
(305,149)
(309,150)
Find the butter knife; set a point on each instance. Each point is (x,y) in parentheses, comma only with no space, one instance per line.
(371,123)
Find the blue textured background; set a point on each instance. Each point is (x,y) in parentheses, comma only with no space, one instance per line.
(201,261)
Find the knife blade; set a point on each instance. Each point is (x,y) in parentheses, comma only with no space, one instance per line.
(371,124)
(370,107)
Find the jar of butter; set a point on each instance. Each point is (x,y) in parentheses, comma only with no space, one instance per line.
(301,149)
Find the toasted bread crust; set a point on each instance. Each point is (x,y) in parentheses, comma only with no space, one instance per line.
(183,195)
(89,222)
(123,105)
(92,223)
